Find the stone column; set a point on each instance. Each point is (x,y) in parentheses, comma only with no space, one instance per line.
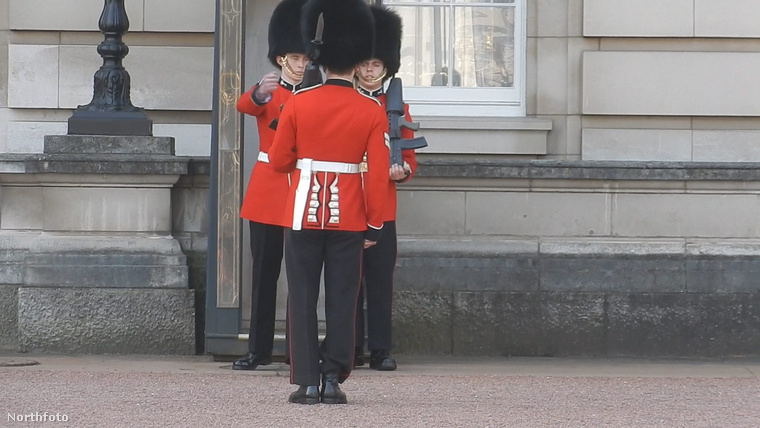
(100,271)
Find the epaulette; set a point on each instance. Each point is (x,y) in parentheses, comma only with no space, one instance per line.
(306,89)
(370,97)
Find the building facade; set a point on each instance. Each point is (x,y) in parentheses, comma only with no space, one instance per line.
(589,188)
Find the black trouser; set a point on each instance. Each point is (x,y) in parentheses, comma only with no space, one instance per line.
(266,251)
(379,263)
(306,253)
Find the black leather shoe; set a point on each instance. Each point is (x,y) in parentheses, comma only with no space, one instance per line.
(358,357)
(250,361)
(382,360)
(305,395)
(331,393)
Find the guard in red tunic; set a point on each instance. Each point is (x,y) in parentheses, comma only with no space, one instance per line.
(265,197)
(322,137)
(380,260)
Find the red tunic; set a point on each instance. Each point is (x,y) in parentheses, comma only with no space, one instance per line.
(406,156)
(266,195)
(335,123)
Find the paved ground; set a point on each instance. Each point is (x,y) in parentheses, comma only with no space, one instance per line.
(97,391)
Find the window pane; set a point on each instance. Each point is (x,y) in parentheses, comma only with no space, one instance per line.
(390,3)
(486,1)
(424,49)
(484,43)
(463,57)
(410,2)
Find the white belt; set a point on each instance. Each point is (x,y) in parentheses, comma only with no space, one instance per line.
(322,166)
(307,167)
(263,157)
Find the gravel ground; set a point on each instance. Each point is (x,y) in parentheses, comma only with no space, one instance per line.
(222,398)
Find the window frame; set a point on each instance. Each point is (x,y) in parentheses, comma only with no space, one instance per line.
(490,102)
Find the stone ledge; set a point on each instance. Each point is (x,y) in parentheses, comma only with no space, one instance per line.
(198,165)
(463,167)
(20,163)
(107,144)
(109,270)
(429,166)
(577,265)
(492,246)
(10,165)
(106,164)
(471,246)
(110,261)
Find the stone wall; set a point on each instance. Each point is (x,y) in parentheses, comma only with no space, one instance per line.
(559,258)
(605,287)
(52,58)
(621,299)
(190,223)
(669,81)
(550,258)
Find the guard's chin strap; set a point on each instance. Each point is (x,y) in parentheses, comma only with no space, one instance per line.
(379,78)
(286,66)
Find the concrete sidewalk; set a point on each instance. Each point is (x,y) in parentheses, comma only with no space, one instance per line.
(140,391)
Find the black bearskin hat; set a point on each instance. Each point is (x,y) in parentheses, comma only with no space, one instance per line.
(284,30)
(348,36)
(387,38)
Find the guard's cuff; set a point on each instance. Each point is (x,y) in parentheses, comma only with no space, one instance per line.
(372,234)
(255,98)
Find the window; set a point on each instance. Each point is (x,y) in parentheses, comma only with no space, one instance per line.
(463,57)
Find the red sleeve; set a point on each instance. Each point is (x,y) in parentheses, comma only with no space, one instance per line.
(376,177)
(282,154)
(246,105)
(408,155)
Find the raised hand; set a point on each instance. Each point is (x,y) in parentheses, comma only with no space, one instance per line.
(267,85)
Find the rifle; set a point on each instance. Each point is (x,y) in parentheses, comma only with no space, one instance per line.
(312,75)
(394,107)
